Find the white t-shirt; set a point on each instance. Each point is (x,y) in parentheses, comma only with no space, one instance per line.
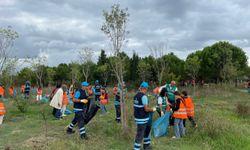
(159,100)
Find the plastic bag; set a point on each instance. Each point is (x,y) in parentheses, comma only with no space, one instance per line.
(91,112)
(160,126)
(67,112)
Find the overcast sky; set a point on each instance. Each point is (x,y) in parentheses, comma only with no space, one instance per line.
(57,28)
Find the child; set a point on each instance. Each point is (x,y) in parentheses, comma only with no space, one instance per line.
(190,109)
(39,93)
(11,91)
(162,102)
(104,99)
(65,102)
(2,111)
(179,114)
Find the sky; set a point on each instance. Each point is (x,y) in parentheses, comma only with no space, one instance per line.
(59,28)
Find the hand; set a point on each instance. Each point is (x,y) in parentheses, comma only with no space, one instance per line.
(154,108)
(84,101)
(162,113)
(171,110)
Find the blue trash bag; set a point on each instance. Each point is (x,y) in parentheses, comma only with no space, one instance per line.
(248,90)
(67,112)
(160,126)
(44,99)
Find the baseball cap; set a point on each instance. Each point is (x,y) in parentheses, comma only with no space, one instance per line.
(144,85)
(85,83)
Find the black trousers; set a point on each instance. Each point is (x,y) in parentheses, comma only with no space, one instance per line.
(191,119)
(79,120)
(143,133)
(118,112)
(97,98)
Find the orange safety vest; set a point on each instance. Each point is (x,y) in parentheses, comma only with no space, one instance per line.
(181,113)
(90,92)
(103,99)
(2,109)
(11,91)
(39,92)
(189,106)
(65,99)
(22,88)
(156,90)
(1,91)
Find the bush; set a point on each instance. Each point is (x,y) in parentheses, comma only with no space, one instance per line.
(242,109)
(22,104)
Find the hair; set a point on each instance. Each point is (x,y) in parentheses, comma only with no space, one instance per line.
(177,93)
(163,92)
(184,93)
(58,84)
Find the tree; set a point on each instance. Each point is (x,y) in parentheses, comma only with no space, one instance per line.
(24,75)
(144,71)
(50,75)
(192,67)
(103,70)
(38,65)
(160,64)
(85,57)
(74,72)
(134,62)
(115,28)
(7,38)
(102,58)
(9,71)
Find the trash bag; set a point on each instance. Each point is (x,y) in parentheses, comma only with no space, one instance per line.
(160,126)
(45,99)
(248,90)
(67,112)
(90,112)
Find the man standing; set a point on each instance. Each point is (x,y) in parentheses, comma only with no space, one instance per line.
(27,89)
(97,91)
(171,88)
(141,114)
(80,106)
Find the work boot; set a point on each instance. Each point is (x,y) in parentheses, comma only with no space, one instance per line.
(147,147)
(84,137)
(70,131)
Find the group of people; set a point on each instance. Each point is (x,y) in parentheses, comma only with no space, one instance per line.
(169,99)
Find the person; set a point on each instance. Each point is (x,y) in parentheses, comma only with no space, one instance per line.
(22,88)
(11,91)
(171,88)
(248,87)
(121,90)
(2,111)
(2,91)
(189,108)
(27,89)
(141,114)
(71,91)
(162,102)
(39,93)
(104,99)
(56,101)
(80,106)
(179,114)
(97,91)
(65,100)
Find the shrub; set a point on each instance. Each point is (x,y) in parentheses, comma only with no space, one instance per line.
(242,109)
(22,104)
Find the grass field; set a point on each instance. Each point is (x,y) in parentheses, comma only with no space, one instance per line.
(220,126)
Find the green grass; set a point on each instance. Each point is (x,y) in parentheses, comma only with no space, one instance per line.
(219,126)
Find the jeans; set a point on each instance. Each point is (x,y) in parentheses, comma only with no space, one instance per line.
(143,133)
(179,128)
(191,119)
(118,113)
(57,113)
(104,108)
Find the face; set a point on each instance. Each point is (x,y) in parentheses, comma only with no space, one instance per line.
(144,90)
(84,87)
(172,83)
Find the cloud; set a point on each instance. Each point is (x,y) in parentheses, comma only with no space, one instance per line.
(60,28)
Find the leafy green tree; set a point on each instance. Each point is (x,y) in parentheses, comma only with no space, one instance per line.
(50,75)
(102,58)
(134,62)
(144,71)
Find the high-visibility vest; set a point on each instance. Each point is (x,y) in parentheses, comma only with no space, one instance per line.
(65,99)
(181,113)
(156,90)
(1,91)
(39,92)
(22,89)
(104,99)
(11,91)
(189,106)
(90,91)
(2,109)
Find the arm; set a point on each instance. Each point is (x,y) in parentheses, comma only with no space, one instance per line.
(147,109)
(77,100)
(145,103)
